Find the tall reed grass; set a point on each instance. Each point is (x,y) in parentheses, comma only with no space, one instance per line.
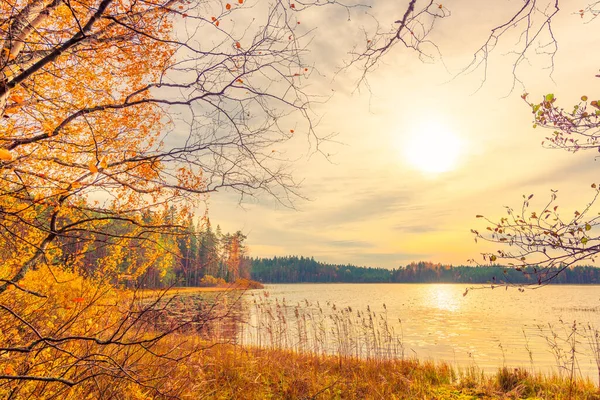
(321,329)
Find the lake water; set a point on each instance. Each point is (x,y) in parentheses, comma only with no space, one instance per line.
(487,328)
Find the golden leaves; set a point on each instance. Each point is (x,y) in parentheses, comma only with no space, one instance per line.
(5,155)
(15,98)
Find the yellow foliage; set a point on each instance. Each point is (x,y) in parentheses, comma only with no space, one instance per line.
(5,155)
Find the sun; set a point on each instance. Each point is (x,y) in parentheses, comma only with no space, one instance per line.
(432,147)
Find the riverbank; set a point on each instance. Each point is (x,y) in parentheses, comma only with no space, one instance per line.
(250,373)
(242,284)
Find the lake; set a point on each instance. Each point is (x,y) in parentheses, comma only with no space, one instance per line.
(488,328)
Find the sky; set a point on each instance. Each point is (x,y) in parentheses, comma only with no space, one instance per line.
(368,203)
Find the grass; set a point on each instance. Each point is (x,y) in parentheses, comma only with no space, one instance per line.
(252,373)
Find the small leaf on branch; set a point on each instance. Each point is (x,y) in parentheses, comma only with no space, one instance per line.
(588,227)
(15,98)
(584,240)
(584,98)
(228,6)
(5,155)
(479,216)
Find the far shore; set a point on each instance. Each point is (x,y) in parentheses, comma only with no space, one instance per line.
(199,289)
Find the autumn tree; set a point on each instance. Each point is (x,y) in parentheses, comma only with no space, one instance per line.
(116,117)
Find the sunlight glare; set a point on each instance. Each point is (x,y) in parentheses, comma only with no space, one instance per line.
(432,148)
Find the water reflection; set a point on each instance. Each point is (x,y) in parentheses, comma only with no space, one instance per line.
(443,297)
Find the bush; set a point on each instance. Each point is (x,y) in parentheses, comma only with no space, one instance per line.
(248,284)
(211,281)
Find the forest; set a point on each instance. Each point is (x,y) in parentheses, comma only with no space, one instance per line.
(293,269)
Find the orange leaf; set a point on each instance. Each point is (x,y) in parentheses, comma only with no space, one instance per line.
(213,19)
(78,299)
(292,5)
(305,69)
(228,6)
(240,81)
(217,23)
(5,155)
(9,370)
(103,164)
(291,131)
(93,168)
(15,98)
(184,15)
(238,45)
(241,1)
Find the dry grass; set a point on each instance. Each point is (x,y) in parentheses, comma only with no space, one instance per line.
(250,373)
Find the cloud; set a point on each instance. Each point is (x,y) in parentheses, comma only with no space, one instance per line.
(349,243)
(371,205)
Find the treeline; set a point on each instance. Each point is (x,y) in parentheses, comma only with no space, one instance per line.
(202,257)
(294,269)
(159,249)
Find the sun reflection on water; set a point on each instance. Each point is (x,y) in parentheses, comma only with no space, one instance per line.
(443,297)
